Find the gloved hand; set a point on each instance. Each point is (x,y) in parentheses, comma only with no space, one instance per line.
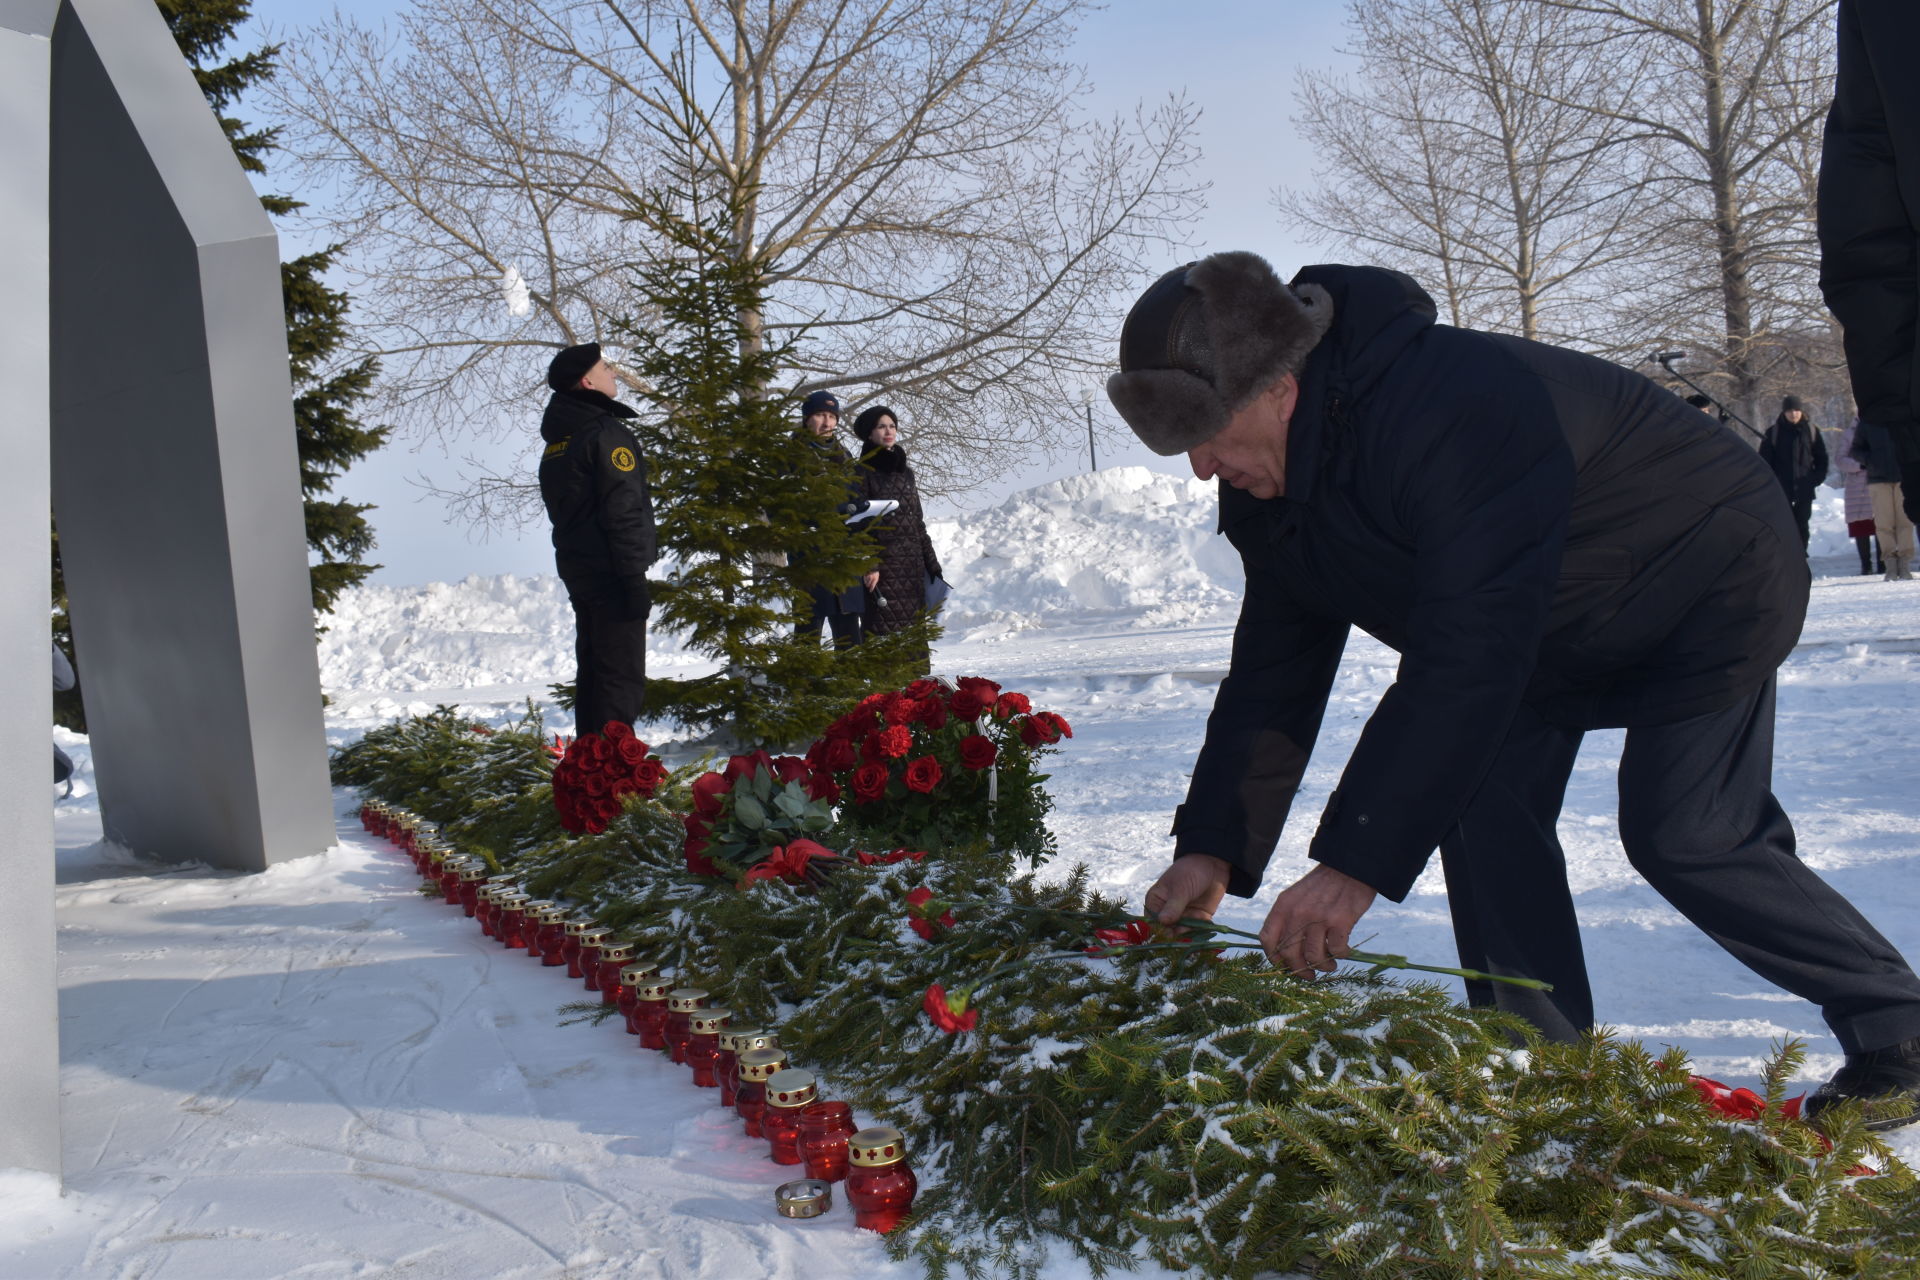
(636,597)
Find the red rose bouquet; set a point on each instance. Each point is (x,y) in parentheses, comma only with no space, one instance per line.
(752,820)
(943,767)
(597,772)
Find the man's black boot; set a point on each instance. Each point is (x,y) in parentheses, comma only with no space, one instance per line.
(1889,1075)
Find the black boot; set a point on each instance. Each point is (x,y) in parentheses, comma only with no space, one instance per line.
(1888,1077)
(1866,557)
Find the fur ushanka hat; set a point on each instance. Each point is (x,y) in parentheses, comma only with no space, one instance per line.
(1206,339)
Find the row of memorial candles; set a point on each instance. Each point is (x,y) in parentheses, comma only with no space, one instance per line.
(774,1100)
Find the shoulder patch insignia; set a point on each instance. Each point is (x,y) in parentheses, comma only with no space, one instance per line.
(623,458)
(557,447)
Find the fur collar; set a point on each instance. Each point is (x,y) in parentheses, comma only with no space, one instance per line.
(888,460)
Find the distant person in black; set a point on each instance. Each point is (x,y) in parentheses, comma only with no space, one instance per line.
(1870,220)
(841,608)
(1798,456)
(594,482)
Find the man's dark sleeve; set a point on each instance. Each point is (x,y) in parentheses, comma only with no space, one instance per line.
(1264,722)
(1869,266)
(1819,457)
(625,507)
(1485,504)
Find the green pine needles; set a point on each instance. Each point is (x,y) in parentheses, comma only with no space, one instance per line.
(743,496)
(1202,1113)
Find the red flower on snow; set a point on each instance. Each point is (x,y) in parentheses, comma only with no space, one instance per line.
(950,1012)
(923,775)
(1136,932)
(788,862)
(977,751)
(919,916)
(869,782)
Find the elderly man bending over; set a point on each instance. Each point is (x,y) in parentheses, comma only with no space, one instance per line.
(1553,544)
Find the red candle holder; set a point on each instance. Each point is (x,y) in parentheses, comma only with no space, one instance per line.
(488,910)
(614,957)
(788,1093)
(536,914)
(733,1043)
(703,1045)
(472,876)
(570,944)
(631,978)
(553,937)
(681,1002)
(450,880)
(591,942)
(650,1013)
(824,1130)
(510,921)
(880,1186)
(757,1066)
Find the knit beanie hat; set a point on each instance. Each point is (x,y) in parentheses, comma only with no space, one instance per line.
(870,418)
(820,402)
(1204,340)
(1791,403)
(571,365)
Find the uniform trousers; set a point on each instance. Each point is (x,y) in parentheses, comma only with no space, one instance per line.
(610,656)
(1699,821)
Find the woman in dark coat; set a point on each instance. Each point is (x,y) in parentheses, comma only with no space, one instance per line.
(1798,456)
(907,559)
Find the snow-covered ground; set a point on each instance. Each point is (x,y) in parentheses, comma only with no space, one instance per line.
(316,1073)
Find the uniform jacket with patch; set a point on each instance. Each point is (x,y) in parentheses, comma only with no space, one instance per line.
(1520,522)
(594,482)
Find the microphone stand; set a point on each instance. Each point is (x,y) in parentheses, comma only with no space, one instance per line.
(1726,414)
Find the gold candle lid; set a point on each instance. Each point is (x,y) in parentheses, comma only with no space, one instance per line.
(512,899)
(686,999)
(652,989)
(535,906)
(706,1022)
(758,1064)
(791,1088)
(639,973)
(577,927)
(596,937)
(473,869)
(805,1198)
(618,952)
(882,1144)
(741,1039)
(552,913)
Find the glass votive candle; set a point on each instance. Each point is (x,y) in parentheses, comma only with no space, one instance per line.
(450,868)
(880,1186)
(614,957)
(628,983)
(650,1012)
(536,912)
(553,937)
(703,1044)
(485,907)
(509,916)
(750,1099)
(472,875)
(824,1130)
(591,940)
(735,1041)
(570,944)
(788,1092)
(681,1002)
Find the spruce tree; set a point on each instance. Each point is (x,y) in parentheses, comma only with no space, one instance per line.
(328,436)
(744,501)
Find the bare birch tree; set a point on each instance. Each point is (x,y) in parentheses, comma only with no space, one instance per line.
(949,230)
(1464,153)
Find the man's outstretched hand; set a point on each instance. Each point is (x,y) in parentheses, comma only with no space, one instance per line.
(1312,920)
(1191,888)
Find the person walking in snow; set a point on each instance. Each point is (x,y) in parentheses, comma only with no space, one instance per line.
(1553,544)
(593,480)
(897,590)
(841,608)
(1851,478)
(1872,448)
(1793,448)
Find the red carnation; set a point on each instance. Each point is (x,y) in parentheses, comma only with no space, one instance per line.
(788,863)
(840,756)
(950,1012)
(895,742)
(1136,933)
(869,782)
(966,705)
(616,731)
(977,751)
(899,710)
(923,775)
(919,918)
(707,790)
(1011,704)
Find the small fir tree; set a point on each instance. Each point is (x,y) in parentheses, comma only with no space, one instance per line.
(328,436)
(744,501)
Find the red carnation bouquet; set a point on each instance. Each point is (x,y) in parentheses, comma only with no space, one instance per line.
(597,772)
(943,767)
(753,820)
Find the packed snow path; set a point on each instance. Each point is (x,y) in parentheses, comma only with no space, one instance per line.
(318,1073)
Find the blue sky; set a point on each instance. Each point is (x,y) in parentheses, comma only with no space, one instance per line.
(1236,59)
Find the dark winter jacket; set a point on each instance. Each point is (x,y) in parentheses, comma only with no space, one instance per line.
(1521,523)
(907,558)
(1797,455)
(829,596)
(1873,450)
(1870,208)
(594,481)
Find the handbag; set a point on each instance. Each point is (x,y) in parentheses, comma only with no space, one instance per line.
(937,591)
